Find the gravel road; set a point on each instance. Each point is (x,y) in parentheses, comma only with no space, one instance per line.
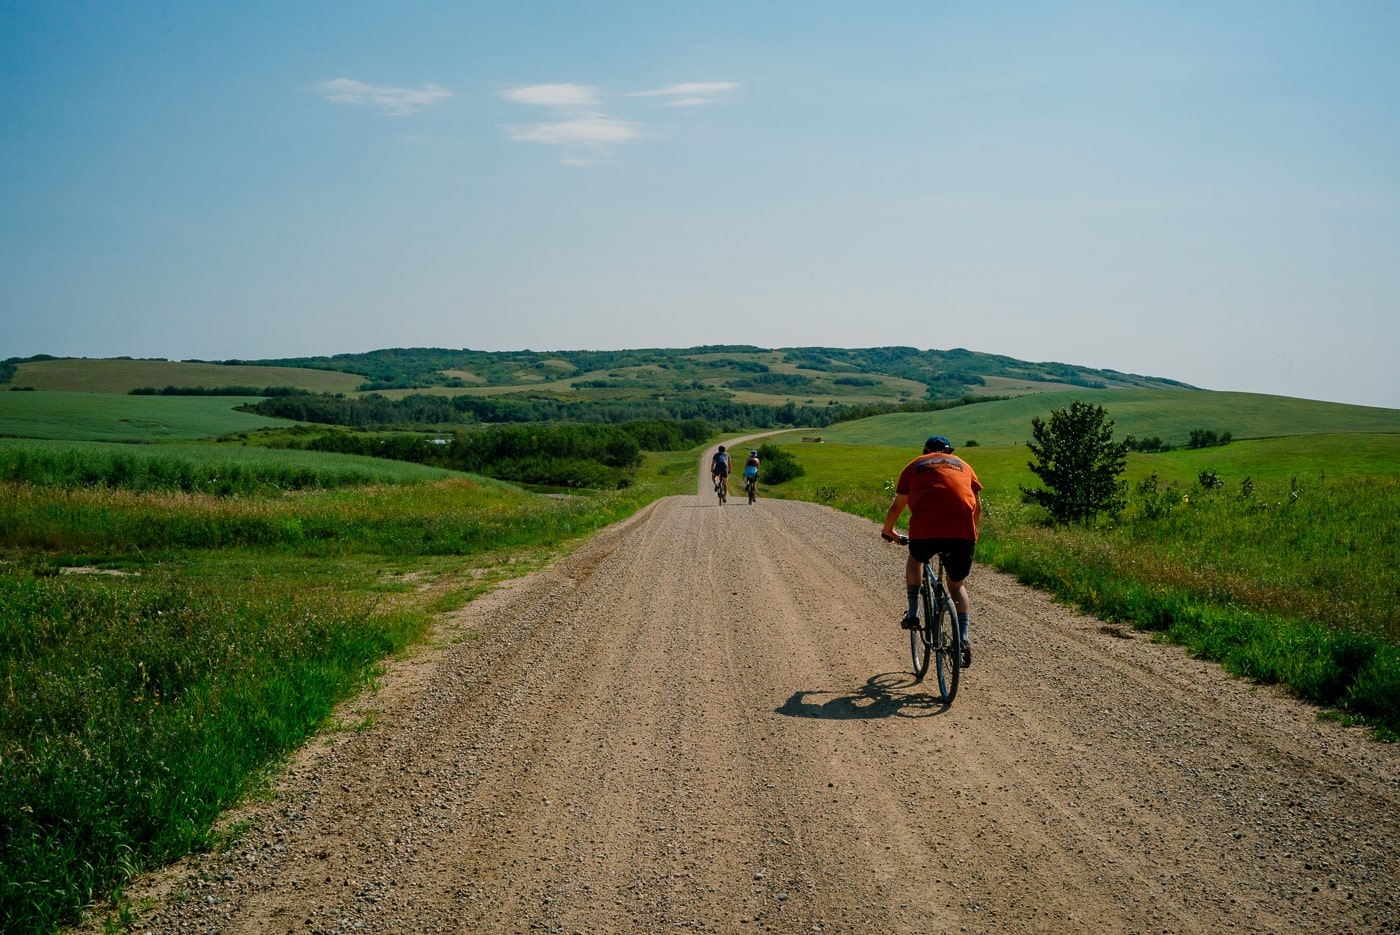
(702,721)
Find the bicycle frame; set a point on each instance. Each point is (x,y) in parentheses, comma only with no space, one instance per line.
(936,638)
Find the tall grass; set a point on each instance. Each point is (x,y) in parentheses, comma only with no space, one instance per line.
(1289,579)
(1289,592)
(134,707)
(219,470)
(454,517)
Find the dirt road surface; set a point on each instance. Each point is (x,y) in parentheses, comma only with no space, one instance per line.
(702,721)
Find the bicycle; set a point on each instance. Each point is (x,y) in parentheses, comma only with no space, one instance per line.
(751,486)
(936,637)
(722,489)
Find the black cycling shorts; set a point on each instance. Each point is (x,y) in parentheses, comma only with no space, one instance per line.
(957,554)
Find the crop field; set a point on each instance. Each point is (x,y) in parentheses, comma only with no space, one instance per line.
(109,417)
(1168,414)
(119,376)
(212,633)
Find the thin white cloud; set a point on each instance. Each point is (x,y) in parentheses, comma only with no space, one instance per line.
(583,132)
(394,101)
(554,95)
(691,92)
(590,130)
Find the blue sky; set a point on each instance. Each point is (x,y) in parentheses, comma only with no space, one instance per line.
(1203,191)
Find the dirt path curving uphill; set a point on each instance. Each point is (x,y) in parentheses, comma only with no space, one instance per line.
(702,721)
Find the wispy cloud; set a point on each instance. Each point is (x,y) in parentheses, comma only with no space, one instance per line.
(554,95)
(589,129)
(393,101)
(689,93)
(583,131)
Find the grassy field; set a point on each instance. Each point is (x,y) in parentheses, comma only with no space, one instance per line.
(190,467)
(851,465)
(119,376)
(246,590)
(108,417)
(1168,414)
(1283,572)
(141,701)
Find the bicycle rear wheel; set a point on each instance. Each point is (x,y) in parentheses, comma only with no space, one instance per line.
(946,649)
(752,493)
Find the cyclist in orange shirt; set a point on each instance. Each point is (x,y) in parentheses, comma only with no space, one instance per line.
(943,496)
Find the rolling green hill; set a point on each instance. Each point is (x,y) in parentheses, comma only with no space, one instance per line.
(106,417)
(1169,414)
(766,376)
(122,375)
(723,384)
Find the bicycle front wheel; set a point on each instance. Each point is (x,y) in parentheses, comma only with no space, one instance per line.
(945,648)
(919,647)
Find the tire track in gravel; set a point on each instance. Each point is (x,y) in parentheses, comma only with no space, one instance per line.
(702,721)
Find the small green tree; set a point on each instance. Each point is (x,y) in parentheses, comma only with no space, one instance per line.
(1078,461)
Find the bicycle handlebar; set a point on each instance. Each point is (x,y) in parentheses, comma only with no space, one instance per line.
(899,538)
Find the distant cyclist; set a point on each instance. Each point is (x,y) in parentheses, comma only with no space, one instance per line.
(751,467)
(719,470)
(943,497)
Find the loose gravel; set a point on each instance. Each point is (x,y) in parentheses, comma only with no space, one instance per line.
(703,721)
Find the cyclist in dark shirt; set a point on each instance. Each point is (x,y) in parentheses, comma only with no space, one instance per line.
(719,470)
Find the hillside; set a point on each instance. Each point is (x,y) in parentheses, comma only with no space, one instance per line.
(123,374)
(872,396)
(1168,414)
(814,375)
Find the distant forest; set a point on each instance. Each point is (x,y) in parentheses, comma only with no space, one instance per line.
(376,411)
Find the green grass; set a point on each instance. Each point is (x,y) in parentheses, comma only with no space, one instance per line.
(1289,578)
(138,704)
(1168,414)
(139,707)
(223,469)
(103,417)
(109,375)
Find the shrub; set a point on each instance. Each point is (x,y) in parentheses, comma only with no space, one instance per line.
(778,465)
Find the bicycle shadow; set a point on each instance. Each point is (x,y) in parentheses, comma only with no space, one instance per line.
(890,694)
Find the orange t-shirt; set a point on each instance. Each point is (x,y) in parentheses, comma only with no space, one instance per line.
(942,491)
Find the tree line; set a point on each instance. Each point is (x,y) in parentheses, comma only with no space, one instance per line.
(271,391)
(421,410)
(427,410)
(562,455)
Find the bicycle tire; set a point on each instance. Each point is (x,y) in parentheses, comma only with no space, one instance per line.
(919,640)
(752,494)
(947,648)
